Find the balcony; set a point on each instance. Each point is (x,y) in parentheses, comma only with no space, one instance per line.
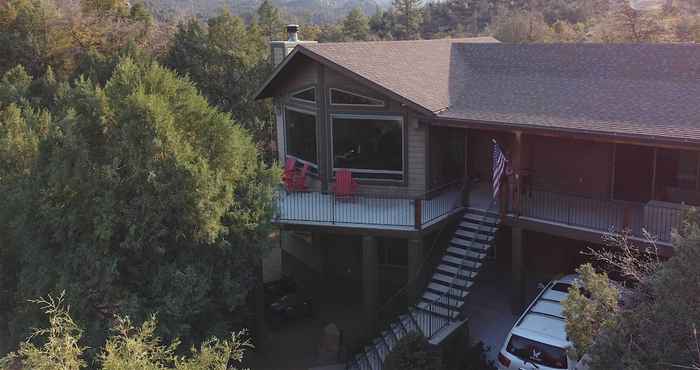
(368,211)
(658,218)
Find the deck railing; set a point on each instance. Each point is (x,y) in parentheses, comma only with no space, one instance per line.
(657,218)
(317,207)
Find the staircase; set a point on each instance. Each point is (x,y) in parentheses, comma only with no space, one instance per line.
(439,310)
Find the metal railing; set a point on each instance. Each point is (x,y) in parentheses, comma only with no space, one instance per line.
(603,215)
(454,295)
(317,207)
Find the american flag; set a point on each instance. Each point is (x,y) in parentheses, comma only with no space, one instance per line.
(499,166)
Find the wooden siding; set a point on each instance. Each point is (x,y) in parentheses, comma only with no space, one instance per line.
(415,134)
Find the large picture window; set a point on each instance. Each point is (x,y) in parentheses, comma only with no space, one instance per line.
(370,146)
(300,134)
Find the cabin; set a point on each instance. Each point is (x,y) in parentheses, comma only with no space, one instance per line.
(598,138)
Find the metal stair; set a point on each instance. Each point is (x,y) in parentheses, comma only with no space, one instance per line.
(439,309)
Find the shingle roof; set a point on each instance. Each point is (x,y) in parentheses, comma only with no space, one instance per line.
(417,70)
(645,90)
(650,90)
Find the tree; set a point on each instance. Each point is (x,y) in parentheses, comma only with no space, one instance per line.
(519,27)
(588,314)
(227,61)
(141,198)
(409,16)
(128,348)
(413,352)
(662,300)
(270,21)
(356,26)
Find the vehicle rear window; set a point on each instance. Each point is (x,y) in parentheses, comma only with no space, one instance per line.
(561,287)
(536,352)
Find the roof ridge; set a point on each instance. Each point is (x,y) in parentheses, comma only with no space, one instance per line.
(445,39)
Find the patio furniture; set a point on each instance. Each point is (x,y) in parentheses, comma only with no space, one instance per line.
(288,174)
(345,187)
(300,179)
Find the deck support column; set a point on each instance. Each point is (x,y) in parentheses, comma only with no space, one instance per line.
(370,282)
(415,258)
(517,270)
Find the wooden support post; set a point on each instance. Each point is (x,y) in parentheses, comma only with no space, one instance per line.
(415,258)
(370,282)
(612,175)
(467,182)
(653,174)
(517,271)
(418,221)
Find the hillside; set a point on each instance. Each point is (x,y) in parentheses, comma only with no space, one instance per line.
(305,11)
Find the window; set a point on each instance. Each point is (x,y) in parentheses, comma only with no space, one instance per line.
(538,353)
(300,134)
(342,97)
(676,176)
(307,95)
(370,146)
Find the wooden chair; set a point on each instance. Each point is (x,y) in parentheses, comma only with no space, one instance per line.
(288,174)
(300,179)
(345,187)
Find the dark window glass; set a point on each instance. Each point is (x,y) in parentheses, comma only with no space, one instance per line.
(307,95)
(347,98)
(536,352)
(561,287)
(373,145)
(676,176)
(300,131)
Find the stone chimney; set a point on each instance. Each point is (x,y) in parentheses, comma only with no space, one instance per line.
(280,49)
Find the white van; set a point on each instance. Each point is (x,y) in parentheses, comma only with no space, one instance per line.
(538,340)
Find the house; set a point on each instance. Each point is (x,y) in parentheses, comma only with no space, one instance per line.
(598,137)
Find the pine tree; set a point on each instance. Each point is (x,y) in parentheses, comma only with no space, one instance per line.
(356,26)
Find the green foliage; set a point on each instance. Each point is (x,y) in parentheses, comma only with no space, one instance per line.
(409,16)
(657,326)
(227,61)
(135,198)
(128,347)
(270,21)
(588,316)
(413,352)
(356,26)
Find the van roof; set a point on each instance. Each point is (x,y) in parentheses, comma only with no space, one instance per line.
(544,321)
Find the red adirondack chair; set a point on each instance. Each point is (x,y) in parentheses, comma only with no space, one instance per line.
(345,186)
(300,179)
(288,174)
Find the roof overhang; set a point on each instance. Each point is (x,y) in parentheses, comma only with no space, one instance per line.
(266,90)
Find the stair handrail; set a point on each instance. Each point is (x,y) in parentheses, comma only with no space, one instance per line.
(451,288)
(419,271)
(421,267)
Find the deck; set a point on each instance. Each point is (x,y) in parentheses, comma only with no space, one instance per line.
(364,211)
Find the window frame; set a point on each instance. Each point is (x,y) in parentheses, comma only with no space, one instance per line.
(304,101)
(357,172)
(380,103)
(315,167)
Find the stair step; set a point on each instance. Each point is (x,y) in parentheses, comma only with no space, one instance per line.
(462,273)
(408,324)
(361,361)
(459,261)
(425,319)
(445,289)
(479,244)
(398,330)
(451,280)
(438,310)
(389,338)
(382,349)
(468,236)
(375,363)
(432,297)
(466,253)
(473,217)
(464,270)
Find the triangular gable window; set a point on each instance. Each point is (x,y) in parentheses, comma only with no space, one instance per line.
(342,97)
(306,95)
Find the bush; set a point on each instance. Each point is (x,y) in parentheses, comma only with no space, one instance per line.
(413,352)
